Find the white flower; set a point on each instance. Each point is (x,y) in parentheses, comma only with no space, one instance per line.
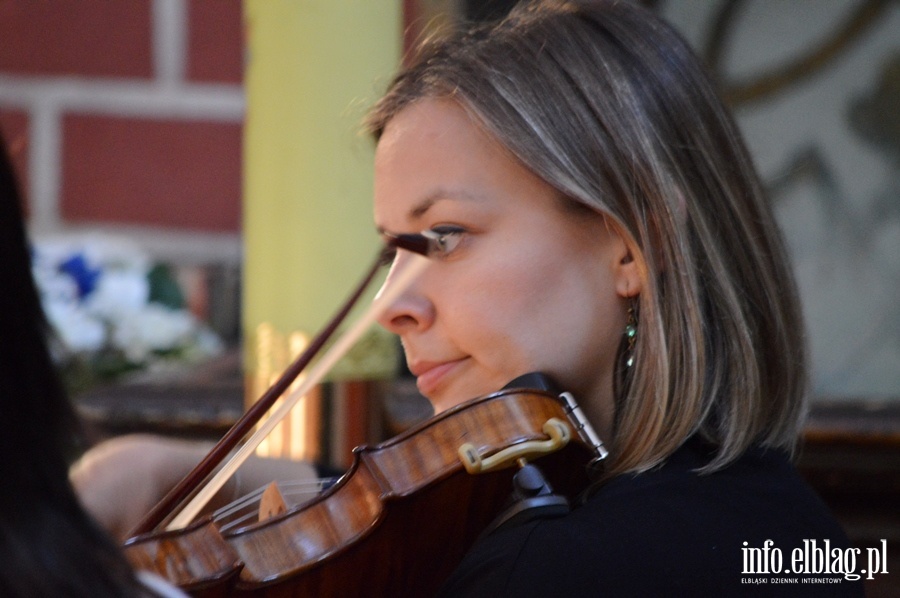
(55,287)
(118,294)
(78,331)
(153,328)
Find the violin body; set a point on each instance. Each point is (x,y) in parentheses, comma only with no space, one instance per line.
(397,524)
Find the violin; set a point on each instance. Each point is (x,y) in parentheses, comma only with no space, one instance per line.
(402,517)
(400,520)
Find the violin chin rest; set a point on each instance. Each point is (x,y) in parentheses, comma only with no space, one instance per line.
(532,498)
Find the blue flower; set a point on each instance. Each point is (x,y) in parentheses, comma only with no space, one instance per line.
(81,272)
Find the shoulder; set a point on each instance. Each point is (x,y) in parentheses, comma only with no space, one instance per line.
(654,533)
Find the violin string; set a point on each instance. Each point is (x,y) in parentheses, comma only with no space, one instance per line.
(244,509)
(290,488)
(403,277)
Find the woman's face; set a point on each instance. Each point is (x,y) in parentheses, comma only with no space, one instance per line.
(526,285)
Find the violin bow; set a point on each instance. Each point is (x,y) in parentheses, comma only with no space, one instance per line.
(423,245)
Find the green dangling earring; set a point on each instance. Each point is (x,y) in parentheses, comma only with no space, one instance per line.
(630,337)
(624,363)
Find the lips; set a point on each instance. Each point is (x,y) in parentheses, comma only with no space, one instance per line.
(430,374)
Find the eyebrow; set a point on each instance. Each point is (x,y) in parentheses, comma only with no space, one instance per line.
(421,208)
(439,194)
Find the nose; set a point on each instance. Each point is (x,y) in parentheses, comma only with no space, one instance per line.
(411,310)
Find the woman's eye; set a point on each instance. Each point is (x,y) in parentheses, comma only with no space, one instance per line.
(446,239)
(438,242)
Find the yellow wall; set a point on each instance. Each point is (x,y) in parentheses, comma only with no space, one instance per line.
(313,66)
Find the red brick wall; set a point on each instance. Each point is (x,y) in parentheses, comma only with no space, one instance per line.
(212,21)
(72,37)
(125,113)
(151,171)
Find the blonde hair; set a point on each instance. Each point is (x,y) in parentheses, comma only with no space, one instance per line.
(608,104)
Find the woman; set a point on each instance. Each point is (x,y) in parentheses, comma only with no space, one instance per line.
(50,546)
(603,224)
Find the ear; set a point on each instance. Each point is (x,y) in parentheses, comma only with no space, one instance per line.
(627,268)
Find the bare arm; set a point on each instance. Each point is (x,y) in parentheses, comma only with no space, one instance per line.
(121,479)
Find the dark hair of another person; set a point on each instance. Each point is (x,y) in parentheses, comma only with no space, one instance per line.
(50,546)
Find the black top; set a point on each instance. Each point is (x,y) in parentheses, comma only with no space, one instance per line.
(670,532)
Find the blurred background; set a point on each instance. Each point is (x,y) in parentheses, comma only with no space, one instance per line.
(198,199)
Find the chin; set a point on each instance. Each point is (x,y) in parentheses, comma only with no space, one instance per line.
(447,399)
